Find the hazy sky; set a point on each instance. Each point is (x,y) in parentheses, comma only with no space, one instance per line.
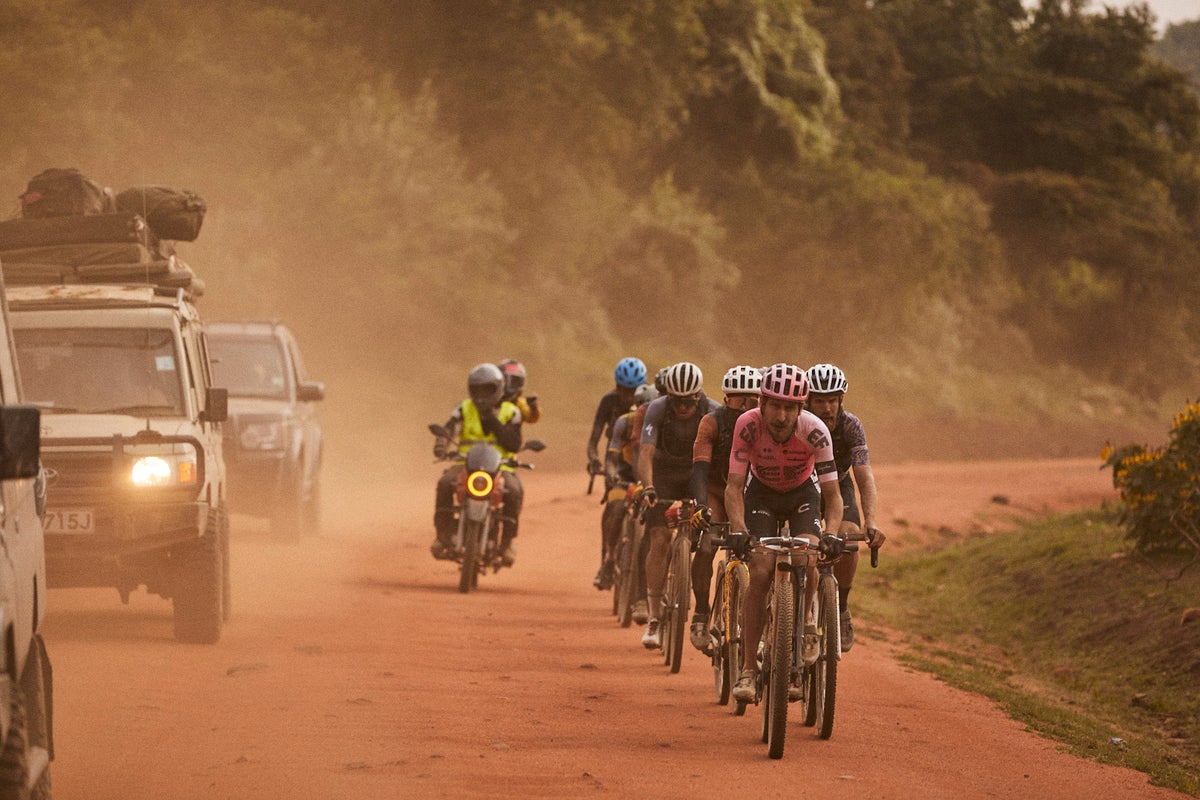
(1167,11)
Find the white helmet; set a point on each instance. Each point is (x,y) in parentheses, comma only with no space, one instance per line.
(644,394)
(741,380)
(683,379)
(826,379)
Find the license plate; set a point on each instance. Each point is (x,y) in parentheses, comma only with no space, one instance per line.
(73,520)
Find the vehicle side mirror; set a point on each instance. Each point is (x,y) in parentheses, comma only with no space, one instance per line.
(20,442)
(310,391)
(216,405)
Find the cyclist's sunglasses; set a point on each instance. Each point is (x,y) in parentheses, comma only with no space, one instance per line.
(686,401)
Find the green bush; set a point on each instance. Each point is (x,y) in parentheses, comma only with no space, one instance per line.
(1160,488)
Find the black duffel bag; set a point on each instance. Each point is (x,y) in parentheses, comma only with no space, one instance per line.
(64,193)
(174,214)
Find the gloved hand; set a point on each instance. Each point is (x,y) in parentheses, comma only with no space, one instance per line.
(701,517)
(439,449)
(595,467)
(650,496)
(532,400)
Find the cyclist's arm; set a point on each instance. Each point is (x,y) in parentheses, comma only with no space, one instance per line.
(735,502)
(831,500)
(614,458)
(645,465)
(865,479)
(702,459)
(594,442)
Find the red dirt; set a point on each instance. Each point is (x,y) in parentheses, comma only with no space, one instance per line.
(354,669)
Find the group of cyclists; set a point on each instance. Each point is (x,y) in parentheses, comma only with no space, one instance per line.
(780,449)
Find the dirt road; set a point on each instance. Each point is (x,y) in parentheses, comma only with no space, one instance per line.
(354,669)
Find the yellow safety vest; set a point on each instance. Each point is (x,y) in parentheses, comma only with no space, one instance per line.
(472,429)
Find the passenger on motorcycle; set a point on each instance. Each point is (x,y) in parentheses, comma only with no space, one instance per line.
(618,474)
(630,373)
(827,387)
(483,417)
(665,469)
(710,469)
(780,454)
(514,390)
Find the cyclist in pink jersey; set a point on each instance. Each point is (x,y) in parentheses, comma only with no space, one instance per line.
(781,469)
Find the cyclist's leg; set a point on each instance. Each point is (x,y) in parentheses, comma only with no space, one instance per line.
(805,518)
(611,520)
(847,565)
(657,560)
(702,562)
(761,519)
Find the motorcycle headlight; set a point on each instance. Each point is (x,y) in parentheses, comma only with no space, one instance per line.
(262,436)
(479,484)
(171,470)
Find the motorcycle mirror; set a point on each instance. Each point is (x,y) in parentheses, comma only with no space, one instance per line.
(438,430)
(536,445)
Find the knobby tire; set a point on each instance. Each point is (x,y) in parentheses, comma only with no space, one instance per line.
(716,620)
(735,643)
(827,661)
(681,562)
(781,665)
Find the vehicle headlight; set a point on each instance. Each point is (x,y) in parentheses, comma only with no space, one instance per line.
(163,471)
(262,436)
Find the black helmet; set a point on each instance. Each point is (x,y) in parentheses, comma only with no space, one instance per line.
(514,376)
(485,384)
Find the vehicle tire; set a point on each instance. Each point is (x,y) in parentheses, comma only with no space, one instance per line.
(226,576)
(310,511)
(287,516)
(681,570)
(14,758)
(781,667)
(198,586)
(469,574)
(735,643)
(825,672)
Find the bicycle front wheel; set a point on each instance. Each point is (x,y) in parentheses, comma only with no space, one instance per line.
(781,666)
(681,587)
(735,643)
(825,670)
(716,622)
(627,571)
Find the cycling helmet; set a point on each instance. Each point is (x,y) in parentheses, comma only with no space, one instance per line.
(785,382)
(485,384)
(741,380)
(644,394)
(683,379)
(660,380)
(514,376)
(630,373)
(826,379)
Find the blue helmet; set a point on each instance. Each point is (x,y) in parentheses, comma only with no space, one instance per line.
(630,372)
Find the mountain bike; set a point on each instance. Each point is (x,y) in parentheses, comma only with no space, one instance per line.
(629,566)
(725,617)
(677,591)
(818,681)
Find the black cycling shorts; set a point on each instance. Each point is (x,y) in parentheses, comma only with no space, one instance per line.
(766,509)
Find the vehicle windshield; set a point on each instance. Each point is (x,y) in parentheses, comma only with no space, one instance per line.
(101,370)
(248,367)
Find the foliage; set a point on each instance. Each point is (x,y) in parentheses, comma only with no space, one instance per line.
(1160,487)
(1180,47)
(1070,636)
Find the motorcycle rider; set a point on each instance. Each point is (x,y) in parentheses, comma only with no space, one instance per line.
(514,390)
(483,417)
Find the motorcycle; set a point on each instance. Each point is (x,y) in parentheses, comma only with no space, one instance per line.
(478,504)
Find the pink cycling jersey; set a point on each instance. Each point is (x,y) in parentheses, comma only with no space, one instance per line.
(785,466)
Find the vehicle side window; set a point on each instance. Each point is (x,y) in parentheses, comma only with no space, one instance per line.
(297,362)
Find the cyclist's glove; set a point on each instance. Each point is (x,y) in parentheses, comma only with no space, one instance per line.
(439,450)
(595,467)
(701,517)
(650,496)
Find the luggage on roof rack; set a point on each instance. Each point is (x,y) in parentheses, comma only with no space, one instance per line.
(121,226)
(174,214)
(63,193)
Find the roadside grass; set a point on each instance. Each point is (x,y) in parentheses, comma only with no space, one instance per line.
(1064,630)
